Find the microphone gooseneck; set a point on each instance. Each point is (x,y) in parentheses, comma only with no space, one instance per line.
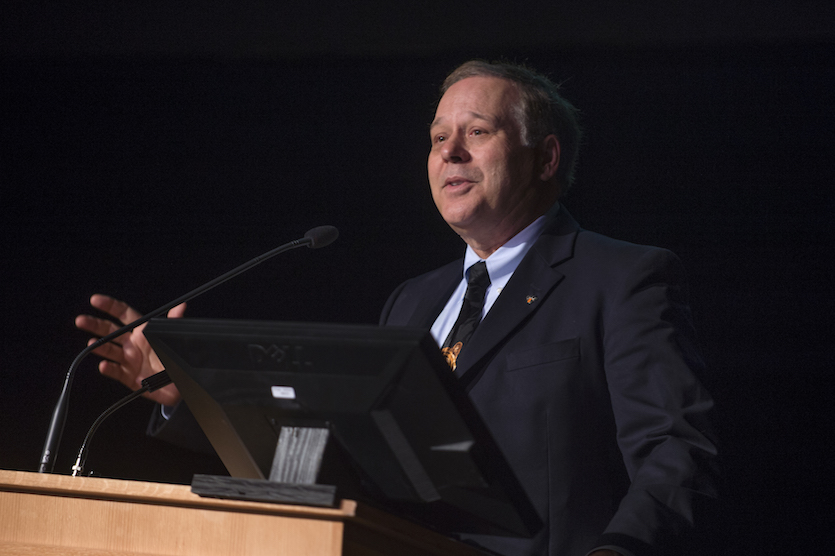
(150,384)
(314,238)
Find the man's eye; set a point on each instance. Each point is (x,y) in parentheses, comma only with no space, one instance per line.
(477,132)
(440,139)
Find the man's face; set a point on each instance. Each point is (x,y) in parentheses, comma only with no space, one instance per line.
(482,177)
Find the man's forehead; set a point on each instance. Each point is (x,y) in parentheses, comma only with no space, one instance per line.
(482,97)
(470,114)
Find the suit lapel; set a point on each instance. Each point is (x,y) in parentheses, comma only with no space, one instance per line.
(535,277)
(431,301)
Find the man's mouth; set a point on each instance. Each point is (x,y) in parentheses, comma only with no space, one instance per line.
(456,181)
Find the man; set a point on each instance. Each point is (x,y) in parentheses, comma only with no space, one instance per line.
(580,357)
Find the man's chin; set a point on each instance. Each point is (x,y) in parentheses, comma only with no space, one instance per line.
(460,225)
(461,214)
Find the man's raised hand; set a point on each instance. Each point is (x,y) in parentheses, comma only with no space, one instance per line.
(128,358)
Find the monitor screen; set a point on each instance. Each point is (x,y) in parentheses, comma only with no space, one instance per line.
(385,395)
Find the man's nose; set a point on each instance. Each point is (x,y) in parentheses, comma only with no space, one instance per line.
(455,149)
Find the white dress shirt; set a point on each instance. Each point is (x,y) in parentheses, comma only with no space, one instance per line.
(500,266)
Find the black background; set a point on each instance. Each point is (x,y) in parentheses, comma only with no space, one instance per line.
(145,151)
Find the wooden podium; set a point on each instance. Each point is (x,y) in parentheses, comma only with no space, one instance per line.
(73,516)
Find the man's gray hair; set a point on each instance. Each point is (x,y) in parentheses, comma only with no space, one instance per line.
(543,110)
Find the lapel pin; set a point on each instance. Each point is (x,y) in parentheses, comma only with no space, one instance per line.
(530,299)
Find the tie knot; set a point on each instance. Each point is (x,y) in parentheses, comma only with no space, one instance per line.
(477,277)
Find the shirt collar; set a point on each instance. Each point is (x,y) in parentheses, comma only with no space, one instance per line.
(503,262)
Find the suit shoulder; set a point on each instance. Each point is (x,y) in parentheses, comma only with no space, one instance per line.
(442,273)
(602,258)
(419,288)
(595,245)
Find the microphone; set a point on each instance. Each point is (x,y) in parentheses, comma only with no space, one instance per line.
(315,238)
(321,236)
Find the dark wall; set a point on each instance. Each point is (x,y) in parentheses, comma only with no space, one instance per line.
(143,176)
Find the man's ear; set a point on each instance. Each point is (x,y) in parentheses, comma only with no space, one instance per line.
(550,151)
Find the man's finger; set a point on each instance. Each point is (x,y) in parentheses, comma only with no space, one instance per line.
(112,370)
(117,309)
(94,325)
(118,372)
(109,351)
(177,312)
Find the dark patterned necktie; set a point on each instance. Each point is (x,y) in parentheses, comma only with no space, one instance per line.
(477,283)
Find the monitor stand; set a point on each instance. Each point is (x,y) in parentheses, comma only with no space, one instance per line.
(298,457)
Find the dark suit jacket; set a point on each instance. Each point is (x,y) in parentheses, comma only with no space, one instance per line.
(584,371)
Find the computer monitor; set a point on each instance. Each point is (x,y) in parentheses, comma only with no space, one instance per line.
(385,395)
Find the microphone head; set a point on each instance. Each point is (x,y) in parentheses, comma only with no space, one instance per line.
(321,236)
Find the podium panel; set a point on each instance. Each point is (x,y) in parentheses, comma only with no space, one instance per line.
(57,514)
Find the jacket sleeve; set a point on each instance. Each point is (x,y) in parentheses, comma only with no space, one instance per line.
(662,413)
(179,427)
